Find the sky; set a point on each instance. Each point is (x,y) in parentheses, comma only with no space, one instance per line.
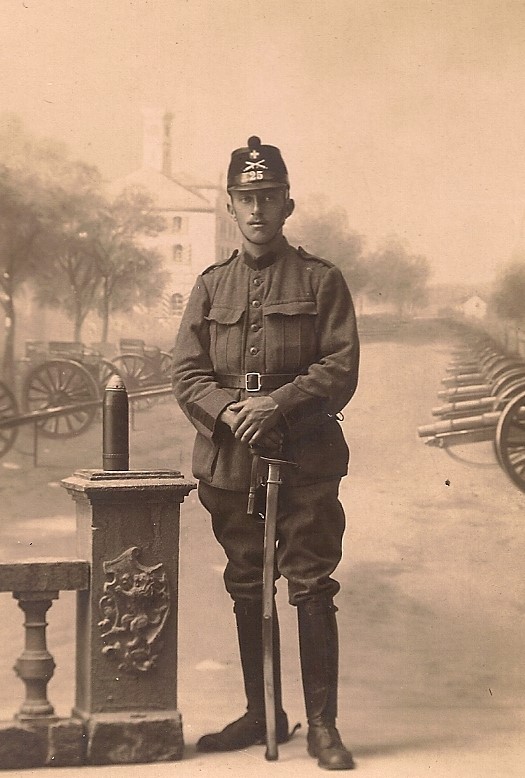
(408,113)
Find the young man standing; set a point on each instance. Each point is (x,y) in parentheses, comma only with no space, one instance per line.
(267,356)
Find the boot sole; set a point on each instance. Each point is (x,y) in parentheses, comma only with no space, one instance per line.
(314,755)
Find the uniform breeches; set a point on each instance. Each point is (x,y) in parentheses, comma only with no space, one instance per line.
(310,527)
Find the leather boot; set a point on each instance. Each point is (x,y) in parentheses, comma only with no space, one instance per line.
(250,729)
(319,649)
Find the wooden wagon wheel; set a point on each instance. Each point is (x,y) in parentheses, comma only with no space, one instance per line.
(56,383)
(8,410)
(510,440)
(508,379)
(137,373)
(135,370)
(105,370)
(166,365)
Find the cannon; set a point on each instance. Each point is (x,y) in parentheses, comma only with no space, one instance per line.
(141,365)
(490,411)
(500,385)
(64,373)
(8,410)
(58,374)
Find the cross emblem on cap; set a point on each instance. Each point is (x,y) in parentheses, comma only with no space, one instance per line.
(254,154)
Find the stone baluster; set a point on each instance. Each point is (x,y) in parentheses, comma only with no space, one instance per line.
(35,665)
(35,736)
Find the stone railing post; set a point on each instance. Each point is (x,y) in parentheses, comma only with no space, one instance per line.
(126,686)
(35,665)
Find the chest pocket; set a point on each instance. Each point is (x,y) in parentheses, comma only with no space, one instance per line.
(290,335)
(226,332)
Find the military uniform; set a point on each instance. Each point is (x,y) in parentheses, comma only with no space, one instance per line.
(283,325)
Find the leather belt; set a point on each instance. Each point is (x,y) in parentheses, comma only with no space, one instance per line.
(254,382)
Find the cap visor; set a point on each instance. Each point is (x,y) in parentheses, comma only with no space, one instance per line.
(257,185)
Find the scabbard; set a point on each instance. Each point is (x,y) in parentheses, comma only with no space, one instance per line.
(254,483)
(272,496)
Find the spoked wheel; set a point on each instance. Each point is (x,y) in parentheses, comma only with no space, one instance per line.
(136,373)
(166,364)
(8,410)
(510,440)
(105,371)
(61,382)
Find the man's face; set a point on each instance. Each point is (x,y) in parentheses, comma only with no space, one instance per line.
(260,213)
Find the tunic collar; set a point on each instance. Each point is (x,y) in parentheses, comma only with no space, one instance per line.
(259,263)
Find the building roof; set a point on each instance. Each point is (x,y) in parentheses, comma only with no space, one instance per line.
(191,181)
(169,194)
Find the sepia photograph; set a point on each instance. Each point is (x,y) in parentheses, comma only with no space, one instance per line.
(262,388)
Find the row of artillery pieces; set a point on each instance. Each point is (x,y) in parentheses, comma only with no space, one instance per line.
(485,402)
(61,386)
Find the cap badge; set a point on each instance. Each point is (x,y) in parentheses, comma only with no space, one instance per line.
(254,154)
(253,171)
(249,166)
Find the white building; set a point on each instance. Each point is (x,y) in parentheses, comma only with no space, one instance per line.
(474,308)
(199,231)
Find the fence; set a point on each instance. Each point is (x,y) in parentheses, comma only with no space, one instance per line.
(126,580)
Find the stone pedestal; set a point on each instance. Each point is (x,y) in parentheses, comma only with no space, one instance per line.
(128,530)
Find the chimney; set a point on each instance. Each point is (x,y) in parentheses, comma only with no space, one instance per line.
(157,139)
(166,144)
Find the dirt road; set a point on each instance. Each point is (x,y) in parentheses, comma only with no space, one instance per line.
(433,594)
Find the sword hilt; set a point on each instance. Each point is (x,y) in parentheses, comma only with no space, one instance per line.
(275,461)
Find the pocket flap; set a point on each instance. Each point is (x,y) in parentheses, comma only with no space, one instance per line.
(292,308)
(224,315)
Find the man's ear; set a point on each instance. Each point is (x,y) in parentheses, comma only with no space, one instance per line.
(229,207)
(290,207)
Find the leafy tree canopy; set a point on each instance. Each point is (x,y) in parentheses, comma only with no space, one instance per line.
(324,230)
(398,277)
(508,297)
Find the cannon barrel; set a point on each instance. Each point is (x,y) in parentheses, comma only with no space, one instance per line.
(473,392)
(465,423)
(462,367)
(463,378)
(458,438)
(466,406)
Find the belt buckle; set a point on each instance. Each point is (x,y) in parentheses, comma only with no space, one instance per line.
(252,382)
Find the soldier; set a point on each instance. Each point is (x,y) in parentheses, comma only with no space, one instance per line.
(266,357)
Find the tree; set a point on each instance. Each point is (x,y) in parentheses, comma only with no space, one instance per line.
(398,277)
(32,198)
(70,281)
(24,211)
(324,230)
(508,297)
(131,274)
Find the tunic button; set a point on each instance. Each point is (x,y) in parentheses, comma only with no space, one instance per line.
(256,303)
(256,281)
(255,327)
(254,351)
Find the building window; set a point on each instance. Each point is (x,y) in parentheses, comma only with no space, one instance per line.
(178,253)
(177,304)
(176,224)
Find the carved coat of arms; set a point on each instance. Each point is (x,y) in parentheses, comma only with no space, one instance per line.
(134,606)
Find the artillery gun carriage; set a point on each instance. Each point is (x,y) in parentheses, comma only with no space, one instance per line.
(70,377)
(485,401)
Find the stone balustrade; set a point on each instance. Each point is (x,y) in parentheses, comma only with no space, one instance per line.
(126,579)
(36,736)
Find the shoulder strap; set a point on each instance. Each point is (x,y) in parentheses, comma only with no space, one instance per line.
(220,264)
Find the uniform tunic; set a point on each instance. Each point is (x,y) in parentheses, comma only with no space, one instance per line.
(285,313)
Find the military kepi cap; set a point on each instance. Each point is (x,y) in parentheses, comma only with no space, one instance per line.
(257,166)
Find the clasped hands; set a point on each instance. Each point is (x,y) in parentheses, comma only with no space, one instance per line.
(254,420)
